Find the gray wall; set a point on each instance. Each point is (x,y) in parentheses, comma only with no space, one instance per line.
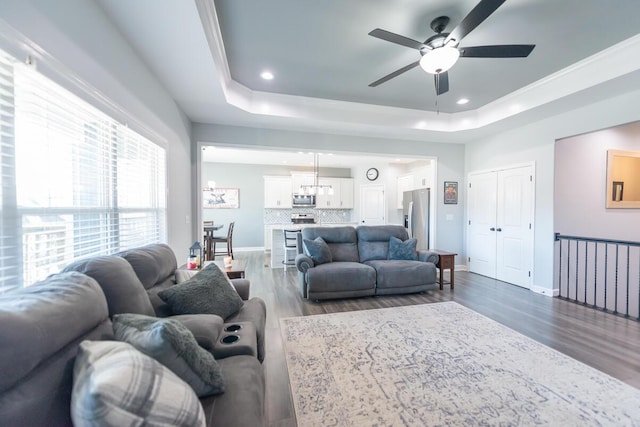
(536,142)
(85,43)
(450,164)
(580,185)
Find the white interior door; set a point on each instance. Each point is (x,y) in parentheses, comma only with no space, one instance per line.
(500,242)
(482,195)
(514,226)
(372,205)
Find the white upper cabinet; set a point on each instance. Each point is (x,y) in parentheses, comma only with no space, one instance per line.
(277,192)
(299,179)
(342,197)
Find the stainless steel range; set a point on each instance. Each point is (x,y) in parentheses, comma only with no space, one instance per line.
(303,218)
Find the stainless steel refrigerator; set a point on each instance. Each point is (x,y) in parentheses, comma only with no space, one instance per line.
(415,205)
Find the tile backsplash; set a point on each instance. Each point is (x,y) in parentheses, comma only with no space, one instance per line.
(326,216)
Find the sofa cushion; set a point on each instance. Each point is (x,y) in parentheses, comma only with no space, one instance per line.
(41,326)
(400,273)
(373,240)
(400,250)
(116,385)
(342,241)
(340,276)
(208,292)
(243,402)
(152,263)
(120,284)
(172,344)
(317,250)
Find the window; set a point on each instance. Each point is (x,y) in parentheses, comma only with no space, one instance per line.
(75,182)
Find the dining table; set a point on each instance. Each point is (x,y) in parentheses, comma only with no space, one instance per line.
(208,239)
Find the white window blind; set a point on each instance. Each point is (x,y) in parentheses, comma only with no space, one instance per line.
(77,183)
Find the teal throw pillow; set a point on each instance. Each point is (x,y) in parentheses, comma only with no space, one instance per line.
(400,250)
(116,385)
(172,344)
(208,292)
(317,250)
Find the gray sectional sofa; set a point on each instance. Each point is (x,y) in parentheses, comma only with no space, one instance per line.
(44,324)
(359,263)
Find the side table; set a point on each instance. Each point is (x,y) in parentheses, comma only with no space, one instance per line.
(447,261)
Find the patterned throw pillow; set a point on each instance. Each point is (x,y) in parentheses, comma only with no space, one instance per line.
(402,250)
(317,250)
(208,292)
(116,385)
(172,344)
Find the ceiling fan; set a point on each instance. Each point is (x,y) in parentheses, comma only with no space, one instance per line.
(441,51)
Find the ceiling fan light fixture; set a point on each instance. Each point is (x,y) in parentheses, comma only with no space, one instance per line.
(439,60)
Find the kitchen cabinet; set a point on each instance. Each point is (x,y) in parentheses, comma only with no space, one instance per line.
(299,179)
(342,197)
(277,192)
(405,183)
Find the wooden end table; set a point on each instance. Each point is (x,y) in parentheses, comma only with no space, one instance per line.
(235,270)
(447,261)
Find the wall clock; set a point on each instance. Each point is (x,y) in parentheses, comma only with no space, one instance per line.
(372,174)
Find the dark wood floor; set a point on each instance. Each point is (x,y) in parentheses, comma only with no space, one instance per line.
(603,341)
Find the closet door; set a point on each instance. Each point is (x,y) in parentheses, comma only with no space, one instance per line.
(500,226)
(514,226)
(482,195)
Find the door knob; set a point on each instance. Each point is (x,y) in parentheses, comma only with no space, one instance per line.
(498,229)
(492,229)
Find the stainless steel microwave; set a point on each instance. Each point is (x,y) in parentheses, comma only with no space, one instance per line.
(304,200)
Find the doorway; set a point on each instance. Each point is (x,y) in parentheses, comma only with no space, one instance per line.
(500,224)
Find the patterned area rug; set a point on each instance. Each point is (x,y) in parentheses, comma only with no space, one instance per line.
(441,364)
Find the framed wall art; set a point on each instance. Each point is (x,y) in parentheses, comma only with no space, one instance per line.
(221,198)
(450,193)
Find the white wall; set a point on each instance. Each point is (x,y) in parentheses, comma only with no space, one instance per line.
(535,142)
(450,164)
(81,47)
(580,185)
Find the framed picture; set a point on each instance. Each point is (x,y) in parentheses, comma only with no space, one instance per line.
(617,192)
(221,198)
(450,193)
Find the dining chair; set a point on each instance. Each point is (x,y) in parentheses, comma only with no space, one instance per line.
(207,237)
(228,240)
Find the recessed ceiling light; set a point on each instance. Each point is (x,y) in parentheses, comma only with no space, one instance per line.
(267,75)
(462,101)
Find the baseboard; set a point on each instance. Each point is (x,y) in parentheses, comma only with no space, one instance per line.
(461,267)
(545,291)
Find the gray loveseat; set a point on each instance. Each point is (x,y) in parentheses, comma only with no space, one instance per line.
(43,325)
(359,264)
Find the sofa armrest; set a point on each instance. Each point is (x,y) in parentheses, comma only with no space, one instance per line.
(303,263)
(205,327)
(428,256)
(242,287)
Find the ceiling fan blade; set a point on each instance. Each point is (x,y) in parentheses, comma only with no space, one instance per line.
(394,74)
(499,51)
(473,19)
(442,83)
(396,38)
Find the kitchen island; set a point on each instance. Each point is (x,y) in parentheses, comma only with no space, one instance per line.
(276,234)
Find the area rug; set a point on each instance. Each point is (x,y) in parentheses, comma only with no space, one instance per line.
(441,364)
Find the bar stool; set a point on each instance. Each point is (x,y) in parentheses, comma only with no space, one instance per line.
(290,245)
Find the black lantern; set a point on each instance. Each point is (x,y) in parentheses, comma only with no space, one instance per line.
(195,251)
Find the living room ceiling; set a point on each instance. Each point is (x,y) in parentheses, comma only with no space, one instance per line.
(209,54)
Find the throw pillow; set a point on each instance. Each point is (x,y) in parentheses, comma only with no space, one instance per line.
(173,345)
(402,250)
(317,250)
(116,385)
(208,292)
